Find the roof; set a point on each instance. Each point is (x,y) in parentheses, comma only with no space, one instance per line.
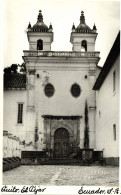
(83,27)
(114,52)
(40,26)
(14,81)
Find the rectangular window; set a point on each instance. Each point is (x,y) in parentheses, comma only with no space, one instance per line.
(114,81)
(20,113)
(114,132)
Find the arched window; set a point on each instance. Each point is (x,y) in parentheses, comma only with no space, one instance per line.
(84,46)
(40,44)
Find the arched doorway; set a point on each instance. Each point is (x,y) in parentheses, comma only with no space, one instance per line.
(61,143)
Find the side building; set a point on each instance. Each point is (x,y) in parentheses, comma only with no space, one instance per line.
(107,88)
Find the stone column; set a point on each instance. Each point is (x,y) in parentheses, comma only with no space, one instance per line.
(92,127)
(48,141)
(30,119)
(45,133)
(92,106)
(5,144)
(30,89)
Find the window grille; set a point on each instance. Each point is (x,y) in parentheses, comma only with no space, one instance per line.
(20,113)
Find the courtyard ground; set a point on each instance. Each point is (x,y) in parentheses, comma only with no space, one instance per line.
(62,175)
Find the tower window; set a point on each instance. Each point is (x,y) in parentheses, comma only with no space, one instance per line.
(40,44)
(49,90)
(114,81)
(114,132)
(75,90)
(20,114)
(84,46)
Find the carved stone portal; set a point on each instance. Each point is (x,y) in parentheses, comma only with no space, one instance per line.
(66,146)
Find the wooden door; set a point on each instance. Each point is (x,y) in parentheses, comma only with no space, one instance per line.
(61,143)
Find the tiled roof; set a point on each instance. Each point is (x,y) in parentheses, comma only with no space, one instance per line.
(114,52)
(14,81)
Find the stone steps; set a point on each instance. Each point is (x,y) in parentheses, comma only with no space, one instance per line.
(11,163)
(54,162)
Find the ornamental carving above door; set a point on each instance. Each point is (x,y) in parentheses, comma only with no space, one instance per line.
(61,143)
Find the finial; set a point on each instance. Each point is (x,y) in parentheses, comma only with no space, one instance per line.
(29,25)
(50,28)
(94,27)
(73,27)
(40,17)
(82,18)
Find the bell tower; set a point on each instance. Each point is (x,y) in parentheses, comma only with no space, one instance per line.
(83,37)
(40,36)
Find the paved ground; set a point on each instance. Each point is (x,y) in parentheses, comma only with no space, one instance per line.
(62,175)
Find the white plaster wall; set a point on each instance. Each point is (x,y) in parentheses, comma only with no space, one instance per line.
(9,147)
(108,105)
(11,100)
(78,38)
(46,37)
(62,102)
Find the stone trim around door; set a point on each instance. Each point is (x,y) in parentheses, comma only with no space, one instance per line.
(70,123)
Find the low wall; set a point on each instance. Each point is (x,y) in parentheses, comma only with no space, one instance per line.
(11,151)
(113,161)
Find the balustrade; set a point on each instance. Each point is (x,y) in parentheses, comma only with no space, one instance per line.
(61,54)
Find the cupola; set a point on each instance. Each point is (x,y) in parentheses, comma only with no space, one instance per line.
(40,26)
(40,36)
(83,27)
(83,37)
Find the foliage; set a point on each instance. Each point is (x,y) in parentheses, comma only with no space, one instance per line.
(22,68)
(36,134)
(15,68)
(86,133)
(12,69)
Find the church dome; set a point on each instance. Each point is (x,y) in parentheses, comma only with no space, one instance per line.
(83,27)
(40,26)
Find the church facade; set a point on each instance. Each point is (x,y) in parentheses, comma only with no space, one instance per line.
(54,106)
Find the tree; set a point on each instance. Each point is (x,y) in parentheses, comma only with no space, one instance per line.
(11,70)
(36,132)
(22,68)
(14,69)
(86,132)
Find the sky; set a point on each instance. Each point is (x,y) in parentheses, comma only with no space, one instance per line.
(62,14)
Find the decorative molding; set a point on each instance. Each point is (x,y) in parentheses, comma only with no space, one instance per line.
(32,72)
(31,108)
(61,117)
(92,107)
(61,125)
(92,72)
